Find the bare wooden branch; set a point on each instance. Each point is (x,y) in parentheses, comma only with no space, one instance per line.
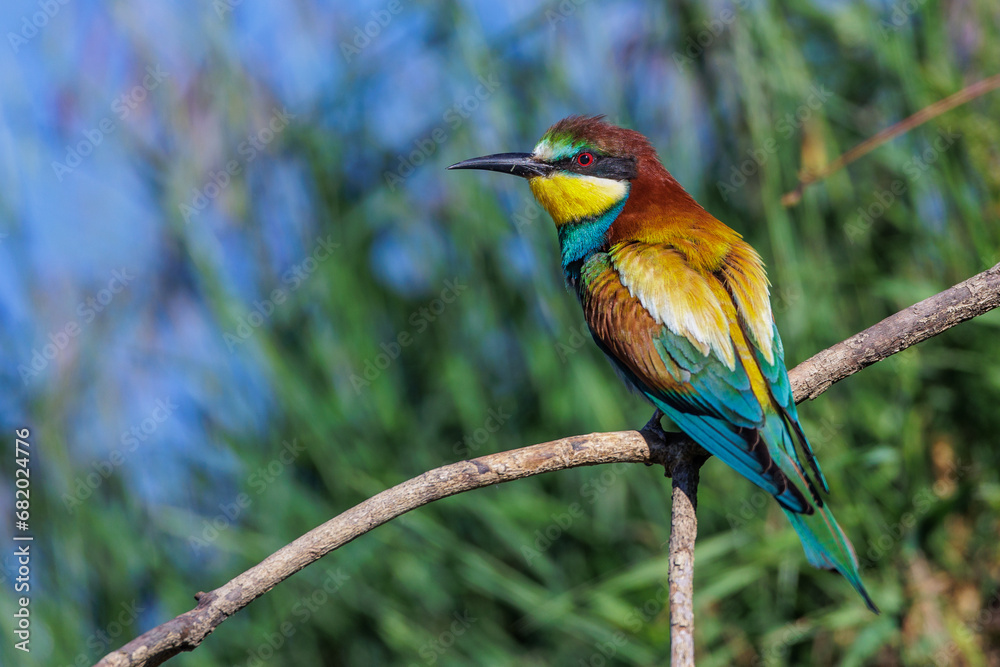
(967,94)
(688,459)
(919,322)
(187,631)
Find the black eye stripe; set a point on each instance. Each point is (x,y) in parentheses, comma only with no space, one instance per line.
(601,166)
(570,162)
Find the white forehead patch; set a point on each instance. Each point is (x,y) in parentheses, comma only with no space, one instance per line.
(543,151)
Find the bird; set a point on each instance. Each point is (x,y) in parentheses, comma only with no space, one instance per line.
(680,304)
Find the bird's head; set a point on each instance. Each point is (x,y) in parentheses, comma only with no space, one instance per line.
(579,170)
(601,184)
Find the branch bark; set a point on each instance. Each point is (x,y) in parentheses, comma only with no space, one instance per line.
(688,459)
(811,378)
(895,333)
(967,94)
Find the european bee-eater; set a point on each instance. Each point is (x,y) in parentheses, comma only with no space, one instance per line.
(679,302)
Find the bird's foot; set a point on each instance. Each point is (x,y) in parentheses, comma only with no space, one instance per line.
(654,423)
(653,426)
(678,446)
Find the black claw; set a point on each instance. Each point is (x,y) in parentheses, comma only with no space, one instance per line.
(653,425)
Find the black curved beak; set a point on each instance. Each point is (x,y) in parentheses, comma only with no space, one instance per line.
(519,164)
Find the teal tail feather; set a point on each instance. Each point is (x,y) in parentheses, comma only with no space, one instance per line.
(775,456)
(825,543)
(828,548)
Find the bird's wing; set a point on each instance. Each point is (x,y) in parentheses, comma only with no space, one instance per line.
(743,276)
(703,348)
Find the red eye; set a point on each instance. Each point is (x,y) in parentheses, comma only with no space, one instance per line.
(585,159)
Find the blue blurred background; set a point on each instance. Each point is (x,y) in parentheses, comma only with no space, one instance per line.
(240,294)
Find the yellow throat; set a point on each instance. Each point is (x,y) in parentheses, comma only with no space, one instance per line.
(568,197)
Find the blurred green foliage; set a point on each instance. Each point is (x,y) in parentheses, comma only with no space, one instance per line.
(570,568)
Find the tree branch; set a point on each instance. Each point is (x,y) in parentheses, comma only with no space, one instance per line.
(919,322)
(687,463)
(967,94)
